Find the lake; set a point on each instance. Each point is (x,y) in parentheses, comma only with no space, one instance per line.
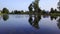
(29,24)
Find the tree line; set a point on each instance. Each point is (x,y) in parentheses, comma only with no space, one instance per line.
(33,9)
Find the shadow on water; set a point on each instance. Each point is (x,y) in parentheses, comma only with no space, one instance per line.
(5,17)
(34,22)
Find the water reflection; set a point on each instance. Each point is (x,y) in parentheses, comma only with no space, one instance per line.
(45,16)
(43,24)
(5,17)
(34,22)
(53,17)
(58,24)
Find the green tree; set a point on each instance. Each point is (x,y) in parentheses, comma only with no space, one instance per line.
(12,12)
(36,5)
(51,10)
(0,11)
(5,10)
(44,12)
(17,12)
(55,10)
(59,6)
(30,7)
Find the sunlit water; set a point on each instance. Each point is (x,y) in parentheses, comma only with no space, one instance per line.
(27,24)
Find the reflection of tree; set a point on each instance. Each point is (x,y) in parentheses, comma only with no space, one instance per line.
(58,24)
(53,17)
(5,17)
(45,16)
(35,22)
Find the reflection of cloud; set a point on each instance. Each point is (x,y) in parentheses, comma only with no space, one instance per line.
(59,3)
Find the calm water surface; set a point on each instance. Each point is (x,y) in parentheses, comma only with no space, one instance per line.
(29,24)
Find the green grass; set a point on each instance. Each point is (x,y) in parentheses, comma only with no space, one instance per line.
(55,14)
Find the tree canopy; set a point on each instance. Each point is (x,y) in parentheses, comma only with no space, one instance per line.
(5,10)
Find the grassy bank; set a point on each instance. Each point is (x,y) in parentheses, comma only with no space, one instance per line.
(55,14)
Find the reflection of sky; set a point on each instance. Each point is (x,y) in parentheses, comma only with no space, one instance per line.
(23,4)
(22,25)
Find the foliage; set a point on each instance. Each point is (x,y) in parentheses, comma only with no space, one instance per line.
(5,10)
(5,17)
(51,10)
(33,9)
(16,12)
(30,7)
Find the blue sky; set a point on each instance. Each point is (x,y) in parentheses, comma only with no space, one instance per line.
(23,4)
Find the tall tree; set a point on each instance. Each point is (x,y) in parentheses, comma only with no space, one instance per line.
(30,7)
(59,5)
(5,10)
(55,10)
(36,6)
(51,10)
